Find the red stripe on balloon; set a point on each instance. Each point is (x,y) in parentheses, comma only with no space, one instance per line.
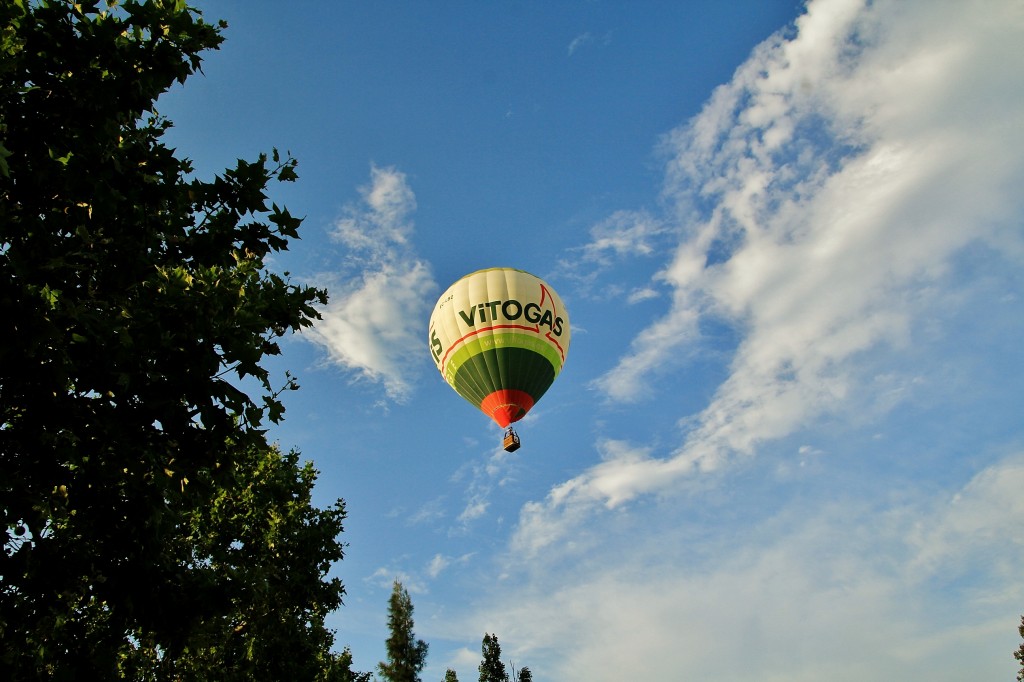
(535,329)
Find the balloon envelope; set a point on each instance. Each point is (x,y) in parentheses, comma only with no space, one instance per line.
(499,337)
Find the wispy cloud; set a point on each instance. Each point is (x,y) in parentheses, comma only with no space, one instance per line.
(586,39)
(482,477)
(417,580)
(828,199)
(441,563)
(437,565)
(380,294)
(803,593)
(623,234)
(430,512)
(617,240)
(825,194)
(381,224)
(385,577)
(579,41)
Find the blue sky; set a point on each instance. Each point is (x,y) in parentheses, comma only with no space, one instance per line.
(787,442)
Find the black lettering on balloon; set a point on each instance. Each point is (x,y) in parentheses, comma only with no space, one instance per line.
(506,309)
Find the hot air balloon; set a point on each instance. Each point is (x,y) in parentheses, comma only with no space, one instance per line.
(499,337)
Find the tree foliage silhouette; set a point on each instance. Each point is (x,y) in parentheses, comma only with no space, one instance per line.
(152,530)
(491,668)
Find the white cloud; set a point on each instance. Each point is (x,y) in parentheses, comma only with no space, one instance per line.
(495,470)
(579,41)
(587,38)
(628,381)
(373,324)
(830,589)
(385,577)
(475,508)
(624,233)
(430,512)
(984,514)
(642,294)
(829,196)
(824,194)
(441,562)
(437,565)
(464,658)
(623,236)
(382,221)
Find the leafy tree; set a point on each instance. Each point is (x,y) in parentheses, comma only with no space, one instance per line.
(265,549)
(491,668)
(450,676)
(406,654)
(152,531)
(343,670)
(1019,653)
(524,675)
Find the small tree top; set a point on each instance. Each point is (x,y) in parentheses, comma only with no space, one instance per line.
(491,668)
(406,654)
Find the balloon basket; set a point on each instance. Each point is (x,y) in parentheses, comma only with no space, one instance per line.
(511,440)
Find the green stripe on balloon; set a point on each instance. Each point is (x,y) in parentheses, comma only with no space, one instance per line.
(518,368)
(502,339)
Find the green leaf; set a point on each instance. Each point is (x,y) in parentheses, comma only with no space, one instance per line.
(5,170)
(62,160)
